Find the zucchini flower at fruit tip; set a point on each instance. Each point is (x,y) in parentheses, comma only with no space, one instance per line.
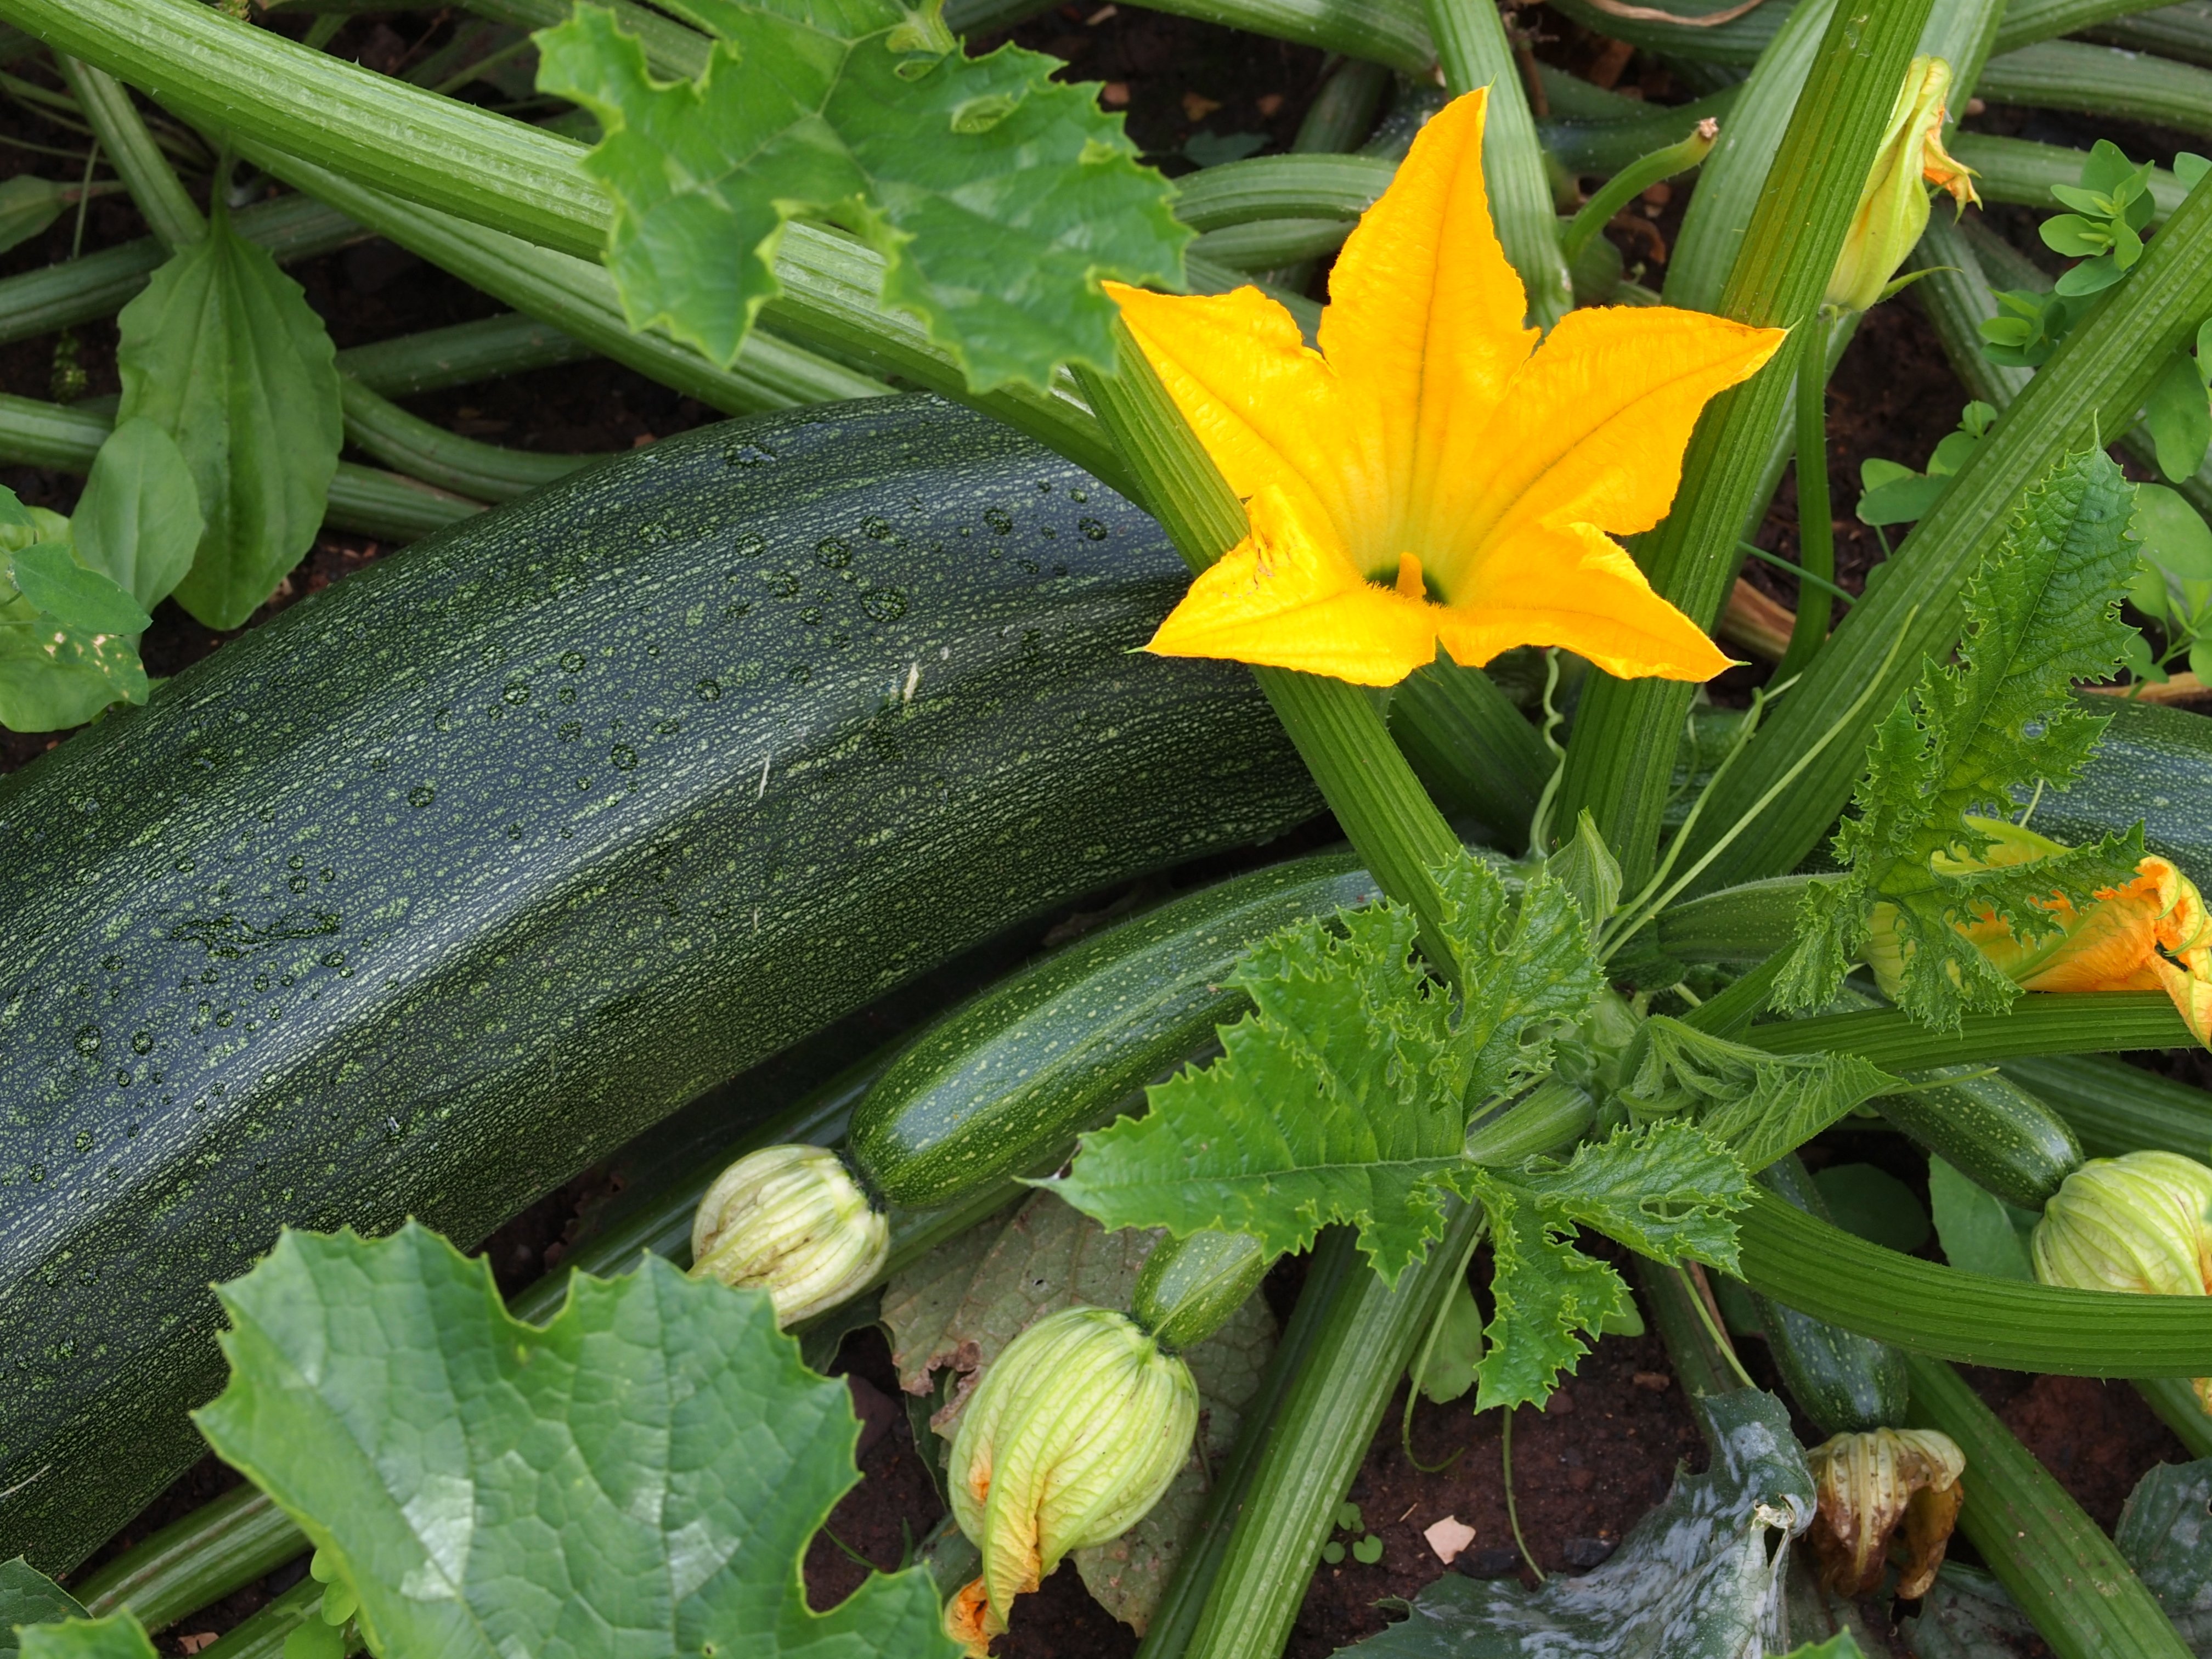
(792,1221)
(1892,209)
(2153,934)
(1072,1436)
(2141,1223)
(1433,475)
(1871,1484)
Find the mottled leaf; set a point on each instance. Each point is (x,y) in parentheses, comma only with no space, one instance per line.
(2165,1533)
(223,353)
(997,196)
(640,1476)
(1700,1577)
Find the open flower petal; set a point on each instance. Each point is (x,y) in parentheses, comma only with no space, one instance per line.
(1266,406)
(1593,429)
(1576,588)
(1288,596)
(1426,325)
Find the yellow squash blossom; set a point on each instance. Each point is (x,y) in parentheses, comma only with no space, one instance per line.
(2152,934)
(1893,208)
(1431,474)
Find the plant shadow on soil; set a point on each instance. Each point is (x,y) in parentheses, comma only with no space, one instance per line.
(1585,1468)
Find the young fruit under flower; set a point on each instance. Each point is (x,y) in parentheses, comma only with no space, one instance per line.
(1432,474)
(2153,934)
(2141,1222)
(1893,208)
(1075,1430)
(792,1221)
(1869,1486)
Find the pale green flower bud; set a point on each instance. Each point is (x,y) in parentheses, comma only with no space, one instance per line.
(2142,1223)
(792,1221)
(1869,1485)
(1893,208)
(1069,1440)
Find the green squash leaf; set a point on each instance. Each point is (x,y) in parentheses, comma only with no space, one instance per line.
(48,575)
(139,518)
(2041,613)
(1874,1205)
(117,1636)
(997,196)
(1758,1105)
(1544,1294)
(652,1462)
(28,1596)
(1346,1096)
(1666,1190)
(222,353)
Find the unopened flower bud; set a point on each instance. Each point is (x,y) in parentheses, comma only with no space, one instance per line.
(1869,1484)
(1069,1440)
(1893,208)
(792,1221)
(2141,1223)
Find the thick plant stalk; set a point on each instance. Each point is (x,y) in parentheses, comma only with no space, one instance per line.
(2094,383)
(1816,529)
(1471,42)
(2039,1023)
(1742,41)
(2114,1108)
(486,472)
(131,149)
(2086,1601)
(460,354)
(1322,1433)
(2105,82)
(1620,763)
(219,1547)
(1818,1268)
(1340,118)
(2174,1400)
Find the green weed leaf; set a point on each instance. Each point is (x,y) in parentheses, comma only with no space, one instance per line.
(2041,613)
(1980,1232)
(2177,414)
(223,353)
(997,196)
(641,1474)
(49,576)
(27,206)
(139,518)
(1346,1094)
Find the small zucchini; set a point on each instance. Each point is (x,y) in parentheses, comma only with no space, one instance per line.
(994,1087)
(1993,1132)
(1845,1383)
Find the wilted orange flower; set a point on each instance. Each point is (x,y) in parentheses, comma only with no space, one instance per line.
(2152,934)
(1431,474)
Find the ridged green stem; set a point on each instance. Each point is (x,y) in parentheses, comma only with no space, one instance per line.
(101,285)
(203,1558)
(1322,1433)
(672,49)
(1601,146)
(2039,1023)
(2085,1600)
(1621,758)
(1392,32)
(1380,804)
(2183,30)
(1816,527)
(381,504)
(1819,1269)
(1742,41)
(1472,747)
(1282,187)
(2105,82)
(1470,36)
(1266,245)
(2115,1108)
(169,213)
(262,1636)
(2094,383)
(460,354)
(485,473)
(1335,1280)
(1698,1364)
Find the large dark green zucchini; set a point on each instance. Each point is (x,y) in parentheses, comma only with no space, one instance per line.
(454,878)
(2152,763)
(1000,1082)
(1845,1383)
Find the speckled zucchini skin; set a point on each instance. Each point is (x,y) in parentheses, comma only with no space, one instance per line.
(997,1083)
(453,878)
(2152,763)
